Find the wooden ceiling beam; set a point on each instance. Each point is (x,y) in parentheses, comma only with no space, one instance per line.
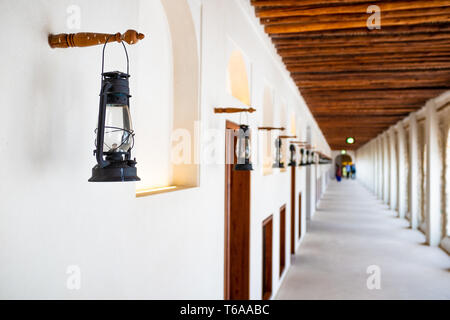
(356,118)
(376,93)
(363,105)
(377,66)
(385,31)
(321,26)
(385,103)
(360,131)
(380,84)
(364,57)
(380,104)
(352,40)
(333,60)
(443,47)
(325,111)
(357,8)
(324,89)
(279,3)
(348,44)
(361,17)
(316,106)
(375,75)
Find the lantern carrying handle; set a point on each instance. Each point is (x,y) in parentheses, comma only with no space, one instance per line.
(103,55)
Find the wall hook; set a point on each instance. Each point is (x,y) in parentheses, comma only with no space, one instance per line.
(233,110)
(88,39)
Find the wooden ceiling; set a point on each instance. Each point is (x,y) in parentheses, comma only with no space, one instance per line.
(358,82)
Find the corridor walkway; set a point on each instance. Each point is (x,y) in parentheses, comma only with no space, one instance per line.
(352,230)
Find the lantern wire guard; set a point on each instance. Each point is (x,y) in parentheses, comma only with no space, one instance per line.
(292,161)
(243,151)
(278,157)
(117,166)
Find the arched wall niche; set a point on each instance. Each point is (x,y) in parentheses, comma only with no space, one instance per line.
(152,102)
(284,124)
(238,77)
(292,124)
(267,136)
(169,157)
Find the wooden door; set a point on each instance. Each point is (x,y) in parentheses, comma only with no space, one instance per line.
(299,215)
(267,258)
(282,239)
(293,209)
(237,223)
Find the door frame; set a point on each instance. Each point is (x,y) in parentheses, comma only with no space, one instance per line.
(293,196)
(244,249)
(267,248)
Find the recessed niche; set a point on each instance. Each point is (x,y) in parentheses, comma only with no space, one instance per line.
(237,76)
(267,136)
(167,99)
(292,124)
(285,146)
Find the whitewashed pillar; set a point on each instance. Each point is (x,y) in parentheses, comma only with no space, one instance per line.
(401,166)
(392,170)
(413,171)
(386,168)
(374,165)
(380,167)
(433,176)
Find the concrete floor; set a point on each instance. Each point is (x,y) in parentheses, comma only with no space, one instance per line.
(352,230)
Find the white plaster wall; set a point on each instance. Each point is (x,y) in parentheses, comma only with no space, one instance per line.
(163,246)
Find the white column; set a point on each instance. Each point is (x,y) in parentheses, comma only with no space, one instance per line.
(380,167)
(386,167)
(374,166)
(392,170)
(401,166)
(413,171)
(433,176)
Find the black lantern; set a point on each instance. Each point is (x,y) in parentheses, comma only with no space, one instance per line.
(115,135)
(292,162)
(305,157)
(278,146)
(243,151)
(311,161)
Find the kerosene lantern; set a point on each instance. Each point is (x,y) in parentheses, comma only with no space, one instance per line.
(302,157)
(278,147)
(243,151)
(115,135)
(311,160)
(306,162)
(293,158)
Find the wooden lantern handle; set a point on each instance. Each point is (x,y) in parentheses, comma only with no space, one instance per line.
(233,110)
(87,39)
(271,128)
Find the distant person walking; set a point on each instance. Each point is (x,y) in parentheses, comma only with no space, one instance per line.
(347,169)
(353,169)
(338,173)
